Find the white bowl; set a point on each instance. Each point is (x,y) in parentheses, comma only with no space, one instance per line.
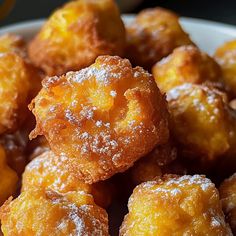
(208,35)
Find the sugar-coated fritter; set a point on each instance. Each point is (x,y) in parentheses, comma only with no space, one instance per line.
(8,178)
(187,205)
(60,173)
(39,212)
(76,34)
(19,82)
(153,35)
(228,198)
(225,55)
(105,116)
(187,64)
(202,122)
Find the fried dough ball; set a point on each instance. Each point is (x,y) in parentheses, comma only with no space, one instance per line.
(202,121)
(187,205)
(187,64)
(153,35)
(59,174)
(19,82)
(225,55)
(76,34)
(39,212)
(105,117)
(228,198)
(8,178)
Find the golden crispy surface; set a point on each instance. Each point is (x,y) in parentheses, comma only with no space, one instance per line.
(153,35)
(76,34)
(228,198)
(43,213)
(13,96)
(202,121)
(8,178)
(226,57)
(19,82)
(59,173)
(105,116)
(187,64)
(187,205)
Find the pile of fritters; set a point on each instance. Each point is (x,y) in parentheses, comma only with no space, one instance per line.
(92,110)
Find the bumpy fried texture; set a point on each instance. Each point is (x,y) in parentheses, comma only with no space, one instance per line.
(203,123)
(8,178)
(76,34)
(43,213)
(14,145)
(228,198)
(226,57)
(187,64)
(13,96)
(60,174)
(158,162)
(153,35)
(19,82)
(187,205)
(105,116)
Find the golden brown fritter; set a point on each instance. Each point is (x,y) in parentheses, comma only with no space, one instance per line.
(153,35)
(202,121)
(187,205)
(58,173)
(105,116)
(19,82)
(76,34)
(225,55)
(39,212)
(8,178)
(187,64)
(228,198)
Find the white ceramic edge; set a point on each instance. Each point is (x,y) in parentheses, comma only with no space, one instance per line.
(200,30)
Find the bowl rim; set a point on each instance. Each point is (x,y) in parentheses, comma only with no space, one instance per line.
(37,23)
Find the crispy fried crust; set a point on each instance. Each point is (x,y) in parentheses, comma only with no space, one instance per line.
(60,174)
(153,35)
(225,55)
(37,212)
(187,205)
(105,116)
(19,83)
(228,198)
(76,34)
(8,178)
(187,64)
(202,121)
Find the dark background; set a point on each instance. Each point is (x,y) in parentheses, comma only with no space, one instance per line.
(217,10)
